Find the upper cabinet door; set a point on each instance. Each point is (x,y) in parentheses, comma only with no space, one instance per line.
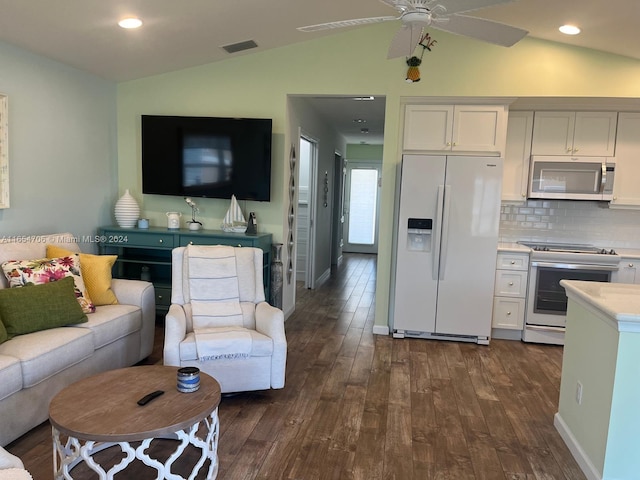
(574,133)
(478,128)
(517,156)
(428,127)
(595,134)
(455,128)
(553,133)
(626,188)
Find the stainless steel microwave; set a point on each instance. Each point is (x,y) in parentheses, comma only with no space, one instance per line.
(572,178)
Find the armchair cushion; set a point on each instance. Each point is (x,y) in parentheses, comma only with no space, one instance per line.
(261,346)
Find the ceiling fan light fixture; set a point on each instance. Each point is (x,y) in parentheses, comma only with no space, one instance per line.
(569,29)
(130,22)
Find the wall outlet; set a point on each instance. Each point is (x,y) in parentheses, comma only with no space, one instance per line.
(579,393)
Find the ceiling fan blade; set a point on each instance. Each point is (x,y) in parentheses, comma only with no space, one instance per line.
(405,40)
(481,29)
(458,6)
(400,5)
(345,23)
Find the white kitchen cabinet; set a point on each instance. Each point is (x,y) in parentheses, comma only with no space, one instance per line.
(515,175)
(455,128)
(626,187)
(627,272)
(512,272)
(574,133)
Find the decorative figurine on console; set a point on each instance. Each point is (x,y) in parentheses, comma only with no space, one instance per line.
(193,223)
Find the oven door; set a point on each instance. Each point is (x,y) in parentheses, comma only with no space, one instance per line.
(547,300)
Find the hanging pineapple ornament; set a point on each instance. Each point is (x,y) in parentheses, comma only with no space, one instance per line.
(413,72)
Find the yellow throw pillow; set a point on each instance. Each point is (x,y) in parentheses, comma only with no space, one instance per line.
(96,273)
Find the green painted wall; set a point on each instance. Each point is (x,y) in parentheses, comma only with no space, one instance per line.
(354,62)
(62,147)
(364,152)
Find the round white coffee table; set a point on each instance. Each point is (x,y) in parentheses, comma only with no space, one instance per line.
(101,411)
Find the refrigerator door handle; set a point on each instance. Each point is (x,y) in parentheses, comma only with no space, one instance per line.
(435,245)
(445,230)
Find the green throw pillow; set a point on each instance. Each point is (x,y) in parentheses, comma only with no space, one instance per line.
(3,333)
(39,307)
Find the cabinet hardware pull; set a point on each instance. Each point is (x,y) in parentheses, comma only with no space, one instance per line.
(631,265)
(511,284)
(513,262)
(508,313)
(160,241)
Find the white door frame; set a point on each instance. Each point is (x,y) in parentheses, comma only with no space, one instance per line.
(309,281)
(354,165)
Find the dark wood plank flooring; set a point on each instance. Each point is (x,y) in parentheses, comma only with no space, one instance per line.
(363,406)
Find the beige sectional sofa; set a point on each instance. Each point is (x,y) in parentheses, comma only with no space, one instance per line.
(35,366)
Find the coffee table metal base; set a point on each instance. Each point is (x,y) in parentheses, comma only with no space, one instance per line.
(68,454)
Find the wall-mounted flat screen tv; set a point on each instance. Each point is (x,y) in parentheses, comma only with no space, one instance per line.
(211,157)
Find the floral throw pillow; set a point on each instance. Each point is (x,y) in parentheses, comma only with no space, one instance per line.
(20,273)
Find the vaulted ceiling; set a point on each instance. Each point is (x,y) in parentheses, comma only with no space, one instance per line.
(186,33)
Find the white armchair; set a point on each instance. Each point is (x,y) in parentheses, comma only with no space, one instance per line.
(222,325)
(11,467)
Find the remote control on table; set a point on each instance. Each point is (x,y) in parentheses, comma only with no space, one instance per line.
(147,398)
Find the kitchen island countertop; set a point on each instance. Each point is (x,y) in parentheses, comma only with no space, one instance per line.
(618,301)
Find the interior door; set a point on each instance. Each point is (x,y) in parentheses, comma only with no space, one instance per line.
(362,206)
(305,225)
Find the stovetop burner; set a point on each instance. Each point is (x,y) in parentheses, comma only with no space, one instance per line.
(568,248)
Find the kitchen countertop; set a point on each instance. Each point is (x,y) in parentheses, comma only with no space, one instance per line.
(618,301)
(517,248)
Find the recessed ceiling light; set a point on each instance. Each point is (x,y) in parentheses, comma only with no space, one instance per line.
(569,29)
(130,22)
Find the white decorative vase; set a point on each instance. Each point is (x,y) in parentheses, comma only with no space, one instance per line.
(127,211)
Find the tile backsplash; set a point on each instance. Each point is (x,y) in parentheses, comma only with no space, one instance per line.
(567,221)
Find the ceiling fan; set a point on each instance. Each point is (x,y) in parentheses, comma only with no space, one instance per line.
(444,15)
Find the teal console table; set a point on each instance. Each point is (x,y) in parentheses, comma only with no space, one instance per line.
(146,253)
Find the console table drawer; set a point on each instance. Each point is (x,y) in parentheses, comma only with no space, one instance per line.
(163,296)
(200,240)
(137,239)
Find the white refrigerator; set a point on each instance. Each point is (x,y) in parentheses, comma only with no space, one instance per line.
(446,247)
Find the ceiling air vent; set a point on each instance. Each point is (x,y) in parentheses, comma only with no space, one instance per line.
(240,46)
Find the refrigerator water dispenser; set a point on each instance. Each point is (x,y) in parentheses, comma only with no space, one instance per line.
(419,234)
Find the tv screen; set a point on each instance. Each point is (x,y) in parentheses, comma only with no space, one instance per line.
(212,157)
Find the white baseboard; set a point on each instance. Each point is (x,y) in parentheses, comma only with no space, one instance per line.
(506,334)
(380,330)
(584,462)
(323,278)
